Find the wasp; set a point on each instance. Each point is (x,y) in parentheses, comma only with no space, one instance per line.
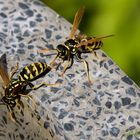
(15,88)
(77,44)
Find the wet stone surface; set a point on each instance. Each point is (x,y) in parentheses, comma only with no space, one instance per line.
(108,109)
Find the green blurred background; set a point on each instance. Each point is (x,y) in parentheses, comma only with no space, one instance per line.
(102,17)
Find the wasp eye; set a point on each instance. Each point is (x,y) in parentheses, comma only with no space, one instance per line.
(61,48)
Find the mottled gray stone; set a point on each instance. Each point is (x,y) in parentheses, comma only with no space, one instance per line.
(114,131)
(23,5)
(106,109)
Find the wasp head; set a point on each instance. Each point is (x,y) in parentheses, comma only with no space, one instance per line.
(67,49)
(62,51)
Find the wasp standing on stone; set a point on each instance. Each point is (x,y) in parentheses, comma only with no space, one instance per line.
(15,88)
(77,44)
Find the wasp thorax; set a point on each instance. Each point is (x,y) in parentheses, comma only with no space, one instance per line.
(71,43)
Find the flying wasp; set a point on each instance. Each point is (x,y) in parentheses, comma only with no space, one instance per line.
(76,45)
(15,88)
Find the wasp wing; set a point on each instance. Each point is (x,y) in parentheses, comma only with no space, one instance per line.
(92,40)
(77,20)
(102,37)
(3,69)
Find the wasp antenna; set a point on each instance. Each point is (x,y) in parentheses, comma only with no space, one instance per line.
(45,50)
(51,54)
(53,61)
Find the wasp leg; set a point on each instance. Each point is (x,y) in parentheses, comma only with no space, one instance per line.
(25,94)
(100,58)
(68,65)
(59,65)
(28,97)
(87,69)
(54,59)
(86,66)
(43,84)
(21,103)
(93,51)
(95,54)
(14,71)
(11,114)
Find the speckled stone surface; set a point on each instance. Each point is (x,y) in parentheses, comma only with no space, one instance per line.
(109,109)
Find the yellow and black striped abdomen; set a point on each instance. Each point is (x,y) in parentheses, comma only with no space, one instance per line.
(95,45)
(90,45)
(33,71)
